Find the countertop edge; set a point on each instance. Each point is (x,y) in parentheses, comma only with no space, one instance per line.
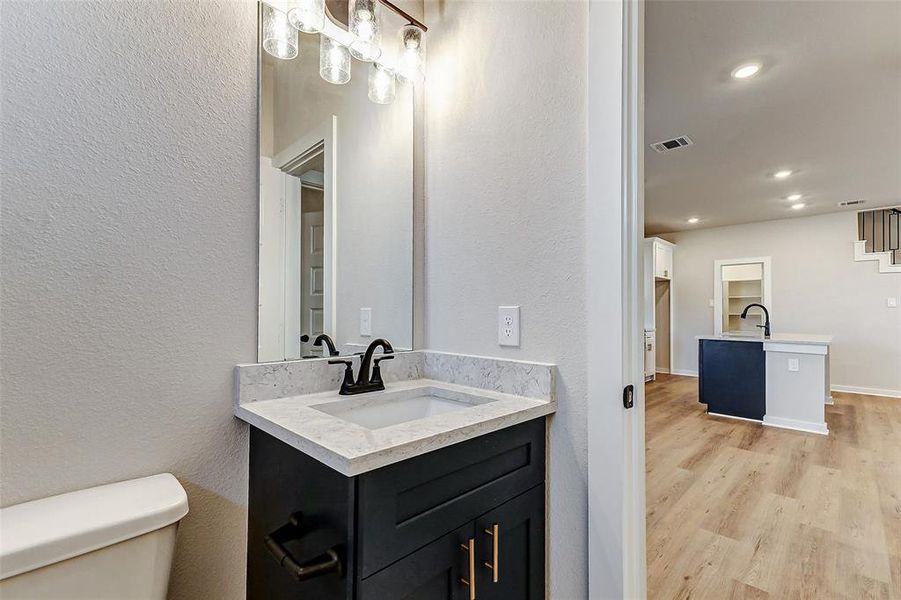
(358,465)
(811,340)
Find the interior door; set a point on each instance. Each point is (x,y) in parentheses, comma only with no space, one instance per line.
(434,572)
(510,546)
(312,276)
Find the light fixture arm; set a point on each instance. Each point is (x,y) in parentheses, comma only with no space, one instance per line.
(404,14)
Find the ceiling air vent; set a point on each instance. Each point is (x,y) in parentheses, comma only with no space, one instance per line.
(851,202)
(673,144)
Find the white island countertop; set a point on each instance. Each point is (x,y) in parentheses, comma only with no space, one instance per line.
(783,338)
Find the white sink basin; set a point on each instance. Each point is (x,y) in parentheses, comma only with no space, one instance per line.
(384,409)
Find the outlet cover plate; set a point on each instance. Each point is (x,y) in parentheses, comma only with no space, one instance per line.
(508,325)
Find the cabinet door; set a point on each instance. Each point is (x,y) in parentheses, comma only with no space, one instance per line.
(663,261)
(659,260)
(667,262)
(434,572)
(510,549)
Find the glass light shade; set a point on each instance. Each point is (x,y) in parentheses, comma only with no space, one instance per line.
(334,60)
(279,38)
(411,59)
(307,16)
(365,25)
(382,84)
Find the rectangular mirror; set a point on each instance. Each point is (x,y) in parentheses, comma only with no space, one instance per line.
(336,207)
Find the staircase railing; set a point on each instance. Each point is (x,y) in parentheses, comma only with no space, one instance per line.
(881,230)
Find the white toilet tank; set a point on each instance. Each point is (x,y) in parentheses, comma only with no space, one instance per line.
(114,541)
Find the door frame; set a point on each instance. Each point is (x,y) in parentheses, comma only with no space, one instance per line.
(767,282)
(322,138)
(615,296)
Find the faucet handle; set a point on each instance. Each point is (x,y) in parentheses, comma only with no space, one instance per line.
(348,372)
(376,370)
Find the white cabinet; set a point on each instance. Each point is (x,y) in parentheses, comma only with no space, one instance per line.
(650,356)
(658,308)
(663,259)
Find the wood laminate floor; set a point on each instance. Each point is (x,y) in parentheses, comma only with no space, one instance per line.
(739,510)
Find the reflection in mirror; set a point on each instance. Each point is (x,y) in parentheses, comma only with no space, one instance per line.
(336,202)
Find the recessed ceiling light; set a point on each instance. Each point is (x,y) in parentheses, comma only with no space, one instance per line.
(782,174)
(793,197)
(746,70)
(798,206)
(693,220)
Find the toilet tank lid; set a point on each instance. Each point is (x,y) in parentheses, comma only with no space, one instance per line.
(42,532)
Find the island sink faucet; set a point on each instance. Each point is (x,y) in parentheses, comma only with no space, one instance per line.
(766,314)
(364,382)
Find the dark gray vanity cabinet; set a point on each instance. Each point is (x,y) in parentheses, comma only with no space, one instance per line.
(472,512)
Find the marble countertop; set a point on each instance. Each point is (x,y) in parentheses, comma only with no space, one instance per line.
(352,449)
(783,338)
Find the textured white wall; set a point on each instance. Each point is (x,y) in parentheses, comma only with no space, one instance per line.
(505,216)
(129,258)
(817,288)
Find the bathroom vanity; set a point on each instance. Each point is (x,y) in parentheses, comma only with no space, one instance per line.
(782,381)
(427,527)
(432,488)
(422,478)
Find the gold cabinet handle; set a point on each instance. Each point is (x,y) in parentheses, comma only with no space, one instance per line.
(470,547)
(495,542)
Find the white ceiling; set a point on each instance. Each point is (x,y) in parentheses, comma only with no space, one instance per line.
(826,104)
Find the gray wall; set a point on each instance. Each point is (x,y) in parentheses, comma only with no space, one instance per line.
(129,258)
(817,288)
(505,217)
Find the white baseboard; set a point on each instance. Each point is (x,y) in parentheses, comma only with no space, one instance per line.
(807,426)
(685,373)
(662,370)
(851,389)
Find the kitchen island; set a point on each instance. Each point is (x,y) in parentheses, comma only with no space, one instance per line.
(782,381)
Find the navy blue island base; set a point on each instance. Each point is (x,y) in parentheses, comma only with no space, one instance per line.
(732,378)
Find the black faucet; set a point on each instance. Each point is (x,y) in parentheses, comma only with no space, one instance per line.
(364,382)
(766,314)
(332,351)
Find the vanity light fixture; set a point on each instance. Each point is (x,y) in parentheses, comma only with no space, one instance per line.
(307,16)
(411,62)
(793,197)
(746,70)
(798,206)
(782,174)
(334,60)
(693,220)
(279,38)
(382,84)
(366,27)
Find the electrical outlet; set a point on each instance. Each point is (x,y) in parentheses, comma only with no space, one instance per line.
(508,325)
(891,302)
(793,364)
(366,321)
